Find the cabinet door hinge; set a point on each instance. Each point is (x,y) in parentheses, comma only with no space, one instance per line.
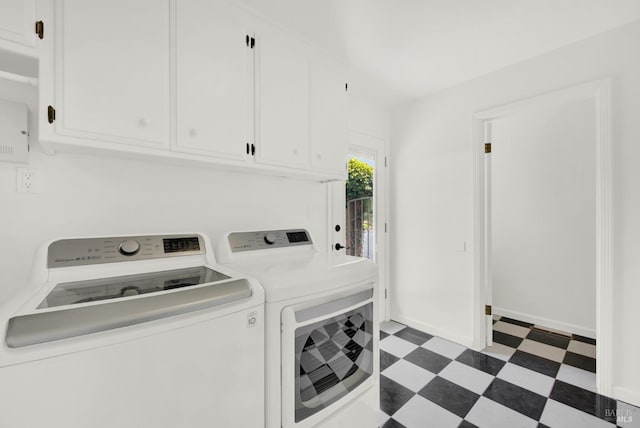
(487,310)
(487,147)
(40,29)
(51,114)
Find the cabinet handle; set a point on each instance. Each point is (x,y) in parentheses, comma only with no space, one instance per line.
(248,150)
(253,150)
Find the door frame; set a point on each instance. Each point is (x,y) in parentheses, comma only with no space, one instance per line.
(600,92)
(367,144)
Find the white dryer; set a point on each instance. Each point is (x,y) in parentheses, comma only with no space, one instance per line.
(322,360)
(133,331)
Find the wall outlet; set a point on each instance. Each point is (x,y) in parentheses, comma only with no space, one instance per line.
(27,180)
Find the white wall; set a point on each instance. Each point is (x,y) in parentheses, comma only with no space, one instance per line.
(84,195)
(89,195)
(543,216)
(432,205)
(368,116)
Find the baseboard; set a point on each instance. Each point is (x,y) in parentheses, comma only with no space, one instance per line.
(546,322)
(627,395)
(430,329)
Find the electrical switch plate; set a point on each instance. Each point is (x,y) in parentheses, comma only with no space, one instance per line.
(27,180)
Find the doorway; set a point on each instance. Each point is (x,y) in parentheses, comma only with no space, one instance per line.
(595,94)
(359,211)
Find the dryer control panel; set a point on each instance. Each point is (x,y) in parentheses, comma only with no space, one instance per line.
(89,251)
(266,239)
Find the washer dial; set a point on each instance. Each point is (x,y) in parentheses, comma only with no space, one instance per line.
(129,247)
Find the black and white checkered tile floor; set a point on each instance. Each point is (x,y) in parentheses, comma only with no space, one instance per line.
(528,378)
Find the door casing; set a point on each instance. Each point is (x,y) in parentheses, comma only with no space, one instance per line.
(373,147)
(599,91)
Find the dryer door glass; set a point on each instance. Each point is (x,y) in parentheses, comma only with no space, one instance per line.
(333,357)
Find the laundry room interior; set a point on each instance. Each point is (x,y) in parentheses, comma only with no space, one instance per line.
(364,214)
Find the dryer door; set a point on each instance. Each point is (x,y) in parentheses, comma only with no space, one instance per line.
(328,356)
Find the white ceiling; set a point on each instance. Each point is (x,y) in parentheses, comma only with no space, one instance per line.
(402,49)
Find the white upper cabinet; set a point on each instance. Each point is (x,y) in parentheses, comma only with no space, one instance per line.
(203,81)
(17,24)
(282,92)
(328,118)
(214,80)
(112,71)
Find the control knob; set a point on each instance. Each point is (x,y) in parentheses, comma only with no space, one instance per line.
(270,238)
(129,247)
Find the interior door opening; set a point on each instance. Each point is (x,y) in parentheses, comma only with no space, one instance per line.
(570,237)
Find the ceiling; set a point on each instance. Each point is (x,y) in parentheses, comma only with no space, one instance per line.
(404,49)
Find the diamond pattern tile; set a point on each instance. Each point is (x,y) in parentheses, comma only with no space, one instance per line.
(527,378)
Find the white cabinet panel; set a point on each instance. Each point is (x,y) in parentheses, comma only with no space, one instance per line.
(17,21)
(175,79)
(328,118)
(112,70)
(282,136)
(214,80)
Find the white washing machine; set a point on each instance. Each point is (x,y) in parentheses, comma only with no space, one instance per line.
(133,331)
(322,361)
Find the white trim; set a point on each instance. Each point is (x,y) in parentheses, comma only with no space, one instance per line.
(604,240)
(488,263)
(19,78)
(435,331)
(546,322)
(600,92)
(627,395)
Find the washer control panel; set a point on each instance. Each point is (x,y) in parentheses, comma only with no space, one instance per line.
(89,251)
(262,240)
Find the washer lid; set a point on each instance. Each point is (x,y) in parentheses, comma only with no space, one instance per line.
(298,275)
(81,319)
(71,293)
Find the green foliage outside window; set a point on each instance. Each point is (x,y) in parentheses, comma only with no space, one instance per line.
(360,181)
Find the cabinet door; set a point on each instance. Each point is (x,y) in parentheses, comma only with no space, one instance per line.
(328,119)
(17,21)
(282,136)
(214,80)
(112,71)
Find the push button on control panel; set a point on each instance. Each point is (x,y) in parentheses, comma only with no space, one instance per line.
(270,238)
(129,247)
